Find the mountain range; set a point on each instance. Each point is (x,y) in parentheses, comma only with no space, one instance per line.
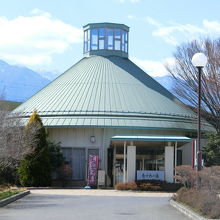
(18,83)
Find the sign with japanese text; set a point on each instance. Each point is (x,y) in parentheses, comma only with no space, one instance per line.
(93,164)
(101,177)
(150,175)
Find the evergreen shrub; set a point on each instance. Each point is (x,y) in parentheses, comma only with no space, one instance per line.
(35,169)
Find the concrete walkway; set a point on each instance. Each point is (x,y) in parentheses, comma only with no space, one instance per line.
(91,204)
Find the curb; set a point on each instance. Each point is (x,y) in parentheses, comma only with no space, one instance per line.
(186,211)
(13,198)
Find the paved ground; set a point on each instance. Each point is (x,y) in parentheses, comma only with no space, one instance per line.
(92,205)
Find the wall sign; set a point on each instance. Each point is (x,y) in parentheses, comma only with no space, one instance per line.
(150,175)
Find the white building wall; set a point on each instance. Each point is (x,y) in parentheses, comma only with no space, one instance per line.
(186,154)
(80,138)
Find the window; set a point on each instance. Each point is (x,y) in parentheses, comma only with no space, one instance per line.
(94,41)
(126,47)
(117,45)
(101,33)
(110,39)
(117,39)
(101,38)
(86,41)
(117,34)
(123,40)
(101,45)
(150,158)
(126,42)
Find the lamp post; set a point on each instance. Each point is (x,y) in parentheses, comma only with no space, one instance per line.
(199,60)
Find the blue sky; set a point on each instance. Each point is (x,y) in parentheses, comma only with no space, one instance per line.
(47,34)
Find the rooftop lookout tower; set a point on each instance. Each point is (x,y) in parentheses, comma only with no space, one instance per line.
(105,39)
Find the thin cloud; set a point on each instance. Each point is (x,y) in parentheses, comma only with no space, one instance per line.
(131,17)
(175,33)
(154,68)
(33,40)
(153,22)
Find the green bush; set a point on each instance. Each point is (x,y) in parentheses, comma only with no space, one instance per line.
(9,176)
(211,152)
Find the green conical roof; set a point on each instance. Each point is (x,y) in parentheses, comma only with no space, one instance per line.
(108,92)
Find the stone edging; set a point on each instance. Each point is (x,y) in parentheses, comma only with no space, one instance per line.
(186,211)
(13,198)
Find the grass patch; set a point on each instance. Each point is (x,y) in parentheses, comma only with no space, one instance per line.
(6,194)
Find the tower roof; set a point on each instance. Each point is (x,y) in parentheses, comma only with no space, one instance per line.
(108,92)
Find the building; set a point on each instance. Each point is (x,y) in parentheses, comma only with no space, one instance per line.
(105,105)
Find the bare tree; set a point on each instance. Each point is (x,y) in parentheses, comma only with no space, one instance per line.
(15,142)
(185,75)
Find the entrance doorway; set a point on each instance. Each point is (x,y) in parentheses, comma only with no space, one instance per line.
(150,158)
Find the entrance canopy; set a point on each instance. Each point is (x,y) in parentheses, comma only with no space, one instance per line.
(151,138)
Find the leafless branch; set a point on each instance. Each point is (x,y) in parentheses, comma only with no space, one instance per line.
(15,142)
(185,75)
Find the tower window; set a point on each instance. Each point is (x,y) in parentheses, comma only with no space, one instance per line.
(94,41)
